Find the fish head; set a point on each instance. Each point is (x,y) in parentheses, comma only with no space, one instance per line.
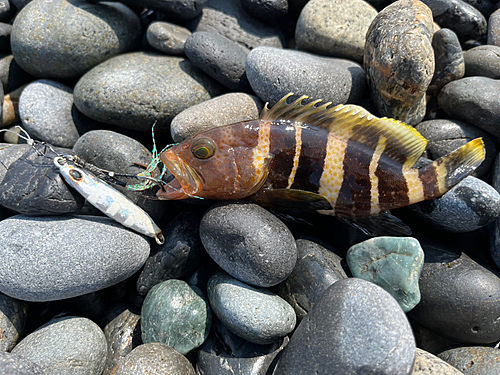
(216,164)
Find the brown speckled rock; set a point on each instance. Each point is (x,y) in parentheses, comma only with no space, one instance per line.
(399,60)
(428,364)
(473,360)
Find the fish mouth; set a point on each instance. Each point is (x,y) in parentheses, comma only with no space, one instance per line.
(187,182)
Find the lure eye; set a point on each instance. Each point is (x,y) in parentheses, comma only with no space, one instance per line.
(203,148)
(77,175)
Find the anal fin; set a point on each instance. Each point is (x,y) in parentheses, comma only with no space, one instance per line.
(383,224)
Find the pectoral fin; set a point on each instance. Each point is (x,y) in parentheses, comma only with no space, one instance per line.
(383,224)
(291,199)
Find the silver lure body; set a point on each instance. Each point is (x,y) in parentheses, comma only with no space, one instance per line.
(107,199)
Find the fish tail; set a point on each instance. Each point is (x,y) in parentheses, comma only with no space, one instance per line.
(442,174)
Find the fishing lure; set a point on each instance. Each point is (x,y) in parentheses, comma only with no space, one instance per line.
(340,161)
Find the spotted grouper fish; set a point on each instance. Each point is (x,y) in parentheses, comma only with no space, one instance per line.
(339,161)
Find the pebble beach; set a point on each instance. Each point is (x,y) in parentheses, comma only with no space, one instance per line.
(237,288)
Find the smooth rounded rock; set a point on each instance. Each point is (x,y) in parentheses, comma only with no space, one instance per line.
(326,28)
(222,110)
(64,39)
(274,72)
(45,108)
(135,90)
(399,60)
(493,34)
(63,257)
(13,314)
(473,360)
(483,61)
(12,364)
(256,315)
(155,359)
(356,327)
(219,57)
(428,364)
(167,37)
(68,345)
(249,243)
(266,10)
(11,74)
(472,98)
(393,263)
(459,297)
(175,314)
(316,269)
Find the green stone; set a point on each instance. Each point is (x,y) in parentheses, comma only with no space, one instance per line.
(393,263)
(175,314)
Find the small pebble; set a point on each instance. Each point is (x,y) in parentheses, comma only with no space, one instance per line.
(493,35)
(12,364)
(483,61)
(473,360)
(13,314)
(256,315)
(249,243)
(11,74)
(175,314)
(428,364)
(266,10)
(68,345)
(167,37)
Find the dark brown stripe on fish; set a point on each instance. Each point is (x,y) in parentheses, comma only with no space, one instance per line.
(428,176)
(392,189)
(282,147)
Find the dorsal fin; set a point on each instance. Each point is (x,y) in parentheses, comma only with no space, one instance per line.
(350,122)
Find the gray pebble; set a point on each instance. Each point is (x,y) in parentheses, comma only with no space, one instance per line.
(220,58)
(155,359)
(13,315)
(229,19)
(45,108)
(326,28)
(69,345)
(428,364)
(249,243)
(167,37)
(222,110)
(473,360)
(40,264)
(62,39)
(181,9)
(135,90)
(254,314)
(483,61)
(9,153)
(274,72)
(12,364)
(494,29)
(11,74)
(7,10)
(266,10)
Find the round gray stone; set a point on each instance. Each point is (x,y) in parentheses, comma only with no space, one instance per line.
(266,10)
(13,315)
(135,90)
(69,345)
(155,359)
(222,110)
(64,39)
(356,327)
(483,61)
(493,33)
(249,243)
(45,108)
(11,74)
(181,9)
(325,27)
(473,360)
(428,364)
(12,364)
(254,314)
(64,257)
(274,72)
(167,37)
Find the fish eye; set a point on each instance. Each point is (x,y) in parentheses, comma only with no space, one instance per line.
(203,148)
(77,175)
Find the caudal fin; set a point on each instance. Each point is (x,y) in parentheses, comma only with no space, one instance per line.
(442,174)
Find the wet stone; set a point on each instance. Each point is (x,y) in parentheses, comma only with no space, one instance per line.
(175,314)
(274,72)
(178,257)
(13,314)
(45,108)
(63,39)
(167,37)
(445,136)
(316,269)
(472,98)
(393,263)
(474,288)
(12,364)
(135,90)
(101,253)
(219,57)
(428,364)
(483,61)
(229,19)
(338,334)
(449,58)
(473,360)
(223,110)
(266,10)
(254,314)
(324,27)
(493,35)
(155,359)
(73,345)
(249,243)
(398,49)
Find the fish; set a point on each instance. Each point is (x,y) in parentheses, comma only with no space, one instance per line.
(336,160)
(107,199)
